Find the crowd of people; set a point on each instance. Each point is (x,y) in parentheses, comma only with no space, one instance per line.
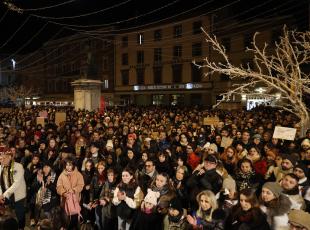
(153,168)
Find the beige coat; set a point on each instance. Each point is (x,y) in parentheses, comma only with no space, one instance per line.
(70,182)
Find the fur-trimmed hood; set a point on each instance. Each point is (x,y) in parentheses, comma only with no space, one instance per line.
(278,207)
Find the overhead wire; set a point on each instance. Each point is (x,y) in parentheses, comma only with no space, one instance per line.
(129,19)
(48,7)
(25,44)
(83,15)
(16,31)
(3,16)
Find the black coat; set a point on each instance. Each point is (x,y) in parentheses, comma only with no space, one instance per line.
(142,221)
(254,219)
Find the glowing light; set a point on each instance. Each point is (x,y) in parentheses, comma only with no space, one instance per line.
(13,63)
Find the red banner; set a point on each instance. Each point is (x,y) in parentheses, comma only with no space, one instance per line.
(102,104)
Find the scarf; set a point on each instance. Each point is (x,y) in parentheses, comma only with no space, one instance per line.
(175,219)
(10,170)
(162,191)
(48,193)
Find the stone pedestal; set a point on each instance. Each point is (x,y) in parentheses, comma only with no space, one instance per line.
(87,94)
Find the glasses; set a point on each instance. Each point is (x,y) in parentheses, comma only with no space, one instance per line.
(189,148)
(148,165)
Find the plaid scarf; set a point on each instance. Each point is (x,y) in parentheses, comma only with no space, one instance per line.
(48,194)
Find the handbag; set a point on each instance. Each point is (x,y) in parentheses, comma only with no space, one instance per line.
(72,206)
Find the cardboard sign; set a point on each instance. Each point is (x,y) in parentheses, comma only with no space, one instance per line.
(226,141)
(155,135)
(60,117)
(284,133)
(43,114)
(211,121)
(41,121)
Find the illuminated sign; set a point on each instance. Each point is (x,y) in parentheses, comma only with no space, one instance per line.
(188,86)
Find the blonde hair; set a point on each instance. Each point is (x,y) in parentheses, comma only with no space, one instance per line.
(211,200)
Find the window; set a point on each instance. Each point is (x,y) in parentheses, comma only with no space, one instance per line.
(157,72)
(157,35)
(157,55)
(140,76)
(140,57)
(177,51)
(140,38)
(125,59)
(125,77)
(196,27)
(196,49)
(125,41)
(177,73)
(248,39)
(177,31)
(197,73)
(226,43)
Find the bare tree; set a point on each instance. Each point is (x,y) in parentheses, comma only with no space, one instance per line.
(278,70)
(20,92)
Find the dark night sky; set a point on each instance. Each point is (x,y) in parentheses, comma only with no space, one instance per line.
(14,35)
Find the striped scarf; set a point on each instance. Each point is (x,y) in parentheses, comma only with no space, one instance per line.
(48,194)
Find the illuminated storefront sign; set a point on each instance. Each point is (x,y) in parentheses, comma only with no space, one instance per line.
(165,87)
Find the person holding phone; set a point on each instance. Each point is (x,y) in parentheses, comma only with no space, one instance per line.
(127,198)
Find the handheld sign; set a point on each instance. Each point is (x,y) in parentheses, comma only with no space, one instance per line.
(284,133)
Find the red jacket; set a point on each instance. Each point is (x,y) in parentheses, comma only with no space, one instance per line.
(193,160)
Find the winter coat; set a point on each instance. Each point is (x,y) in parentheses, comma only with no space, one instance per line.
(254,219)
(125,208)
(151,221)
(246,180)
(70,181)
(276,212)
(182,224)
(210,180)
(18,187)
(217,221)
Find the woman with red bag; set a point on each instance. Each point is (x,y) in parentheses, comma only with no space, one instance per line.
(69,186)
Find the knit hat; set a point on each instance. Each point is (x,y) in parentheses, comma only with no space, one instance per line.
(300,218)
(211,158)
(5,150)
(274,187)
(176,204)
(291,158)
(109,144)
(302,167)
(257,136)
(151,197)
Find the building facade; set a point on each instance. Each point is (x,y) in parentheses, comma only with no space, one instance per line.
(67,59)
(154,66)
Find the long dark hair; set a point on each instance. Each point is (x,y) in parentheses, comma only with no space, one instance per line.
(132,183)
(251,197)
